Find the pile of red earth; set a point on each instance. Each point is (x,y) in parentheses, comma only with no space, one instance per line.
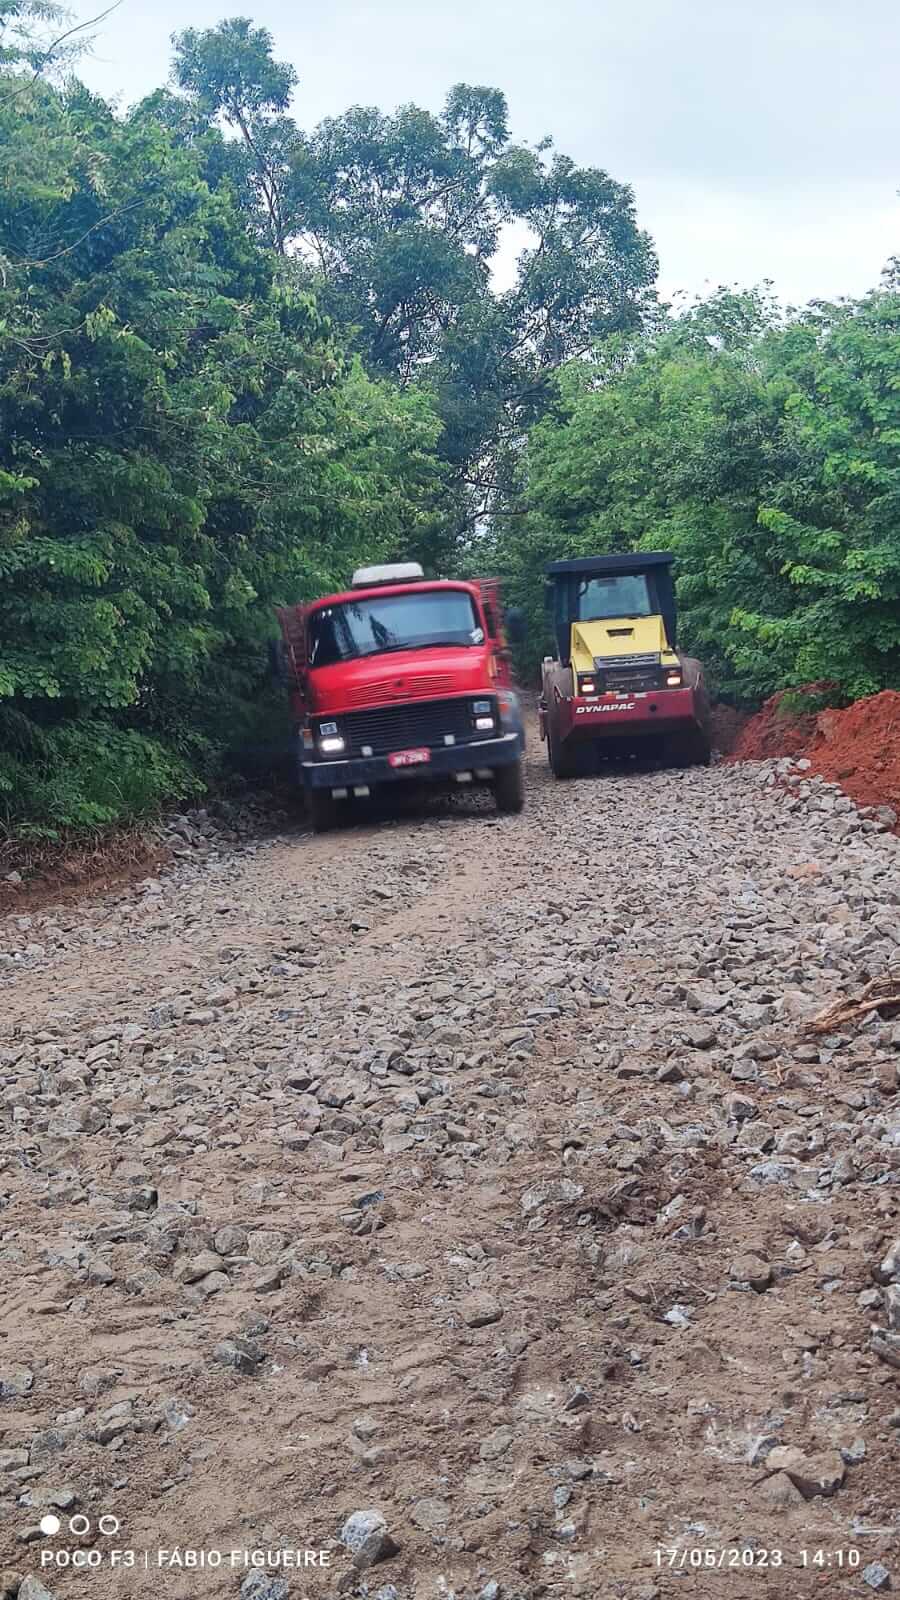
(859,747)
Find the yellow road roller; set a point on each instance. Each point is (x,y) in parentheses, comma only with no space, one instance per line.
(618,685)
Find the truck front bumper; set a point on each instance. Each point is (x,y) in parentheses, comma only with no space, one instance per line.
(604,716)
(445,761)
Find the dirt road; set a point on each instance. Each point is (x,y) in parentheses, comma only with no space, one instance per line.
(472,1173)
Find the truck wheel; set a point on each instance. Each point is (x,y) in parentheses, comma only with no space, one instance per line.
(562,763)
(322,810)
(509,787)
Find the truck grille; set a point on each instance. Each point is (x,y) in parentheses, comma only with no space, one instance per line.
(641,658)
(635,674)
(387,728)
(391,690)
(635,681)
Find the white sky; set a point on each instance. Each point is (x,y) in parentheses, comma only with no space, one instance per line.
(762,139)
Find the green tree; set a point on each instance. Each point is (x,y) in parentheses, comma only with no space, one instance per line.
(230,75)
(764,453)
(183,445)
(399,219)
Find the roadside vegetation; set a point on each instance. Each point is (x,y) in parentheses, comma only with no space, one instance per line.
(237,357)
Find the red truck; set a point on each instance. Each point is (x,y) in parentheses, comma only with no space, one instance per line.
(402,679)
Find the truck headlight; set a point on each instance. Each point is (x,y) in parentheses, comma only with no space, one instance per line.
(673,680)
(483,715)
(587,686)
(332,746)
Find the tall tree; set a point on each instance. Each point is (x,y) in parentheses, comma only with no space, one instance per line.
(399,219)
(230,75)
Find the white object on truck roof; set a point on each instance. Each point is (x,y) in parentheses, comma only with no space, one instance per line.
(399,572)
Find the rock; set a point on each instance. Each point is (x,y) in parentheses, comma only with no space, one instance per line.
(479,1309)
(15,1382)
(784,1172)
(886,1346)
(242,1354)
(177,1413)
(751,1271)
(496,1444)
(578,1399)
(553,1191)
(261,1585)
(230,1241)
(702,1036)
(888,1269)
(876,1576)
(819,1474)
(739,1107)
(844,1169)
(265,1246)
(214,1283)
(365,1535)
(192,1269)
(430,1513)
(270,1279)
(31,1588)
(780,1491)
(891,1298)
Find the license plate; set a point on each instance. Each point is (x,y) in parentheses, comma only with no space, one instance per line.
(409,758)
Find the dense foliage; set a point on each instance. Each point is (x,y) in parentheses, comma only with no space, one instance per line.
(764,451)
(183,443)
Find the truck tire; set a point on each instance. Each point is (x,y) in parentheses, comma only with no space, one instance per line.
(562,763)
(322,810)
(509,787)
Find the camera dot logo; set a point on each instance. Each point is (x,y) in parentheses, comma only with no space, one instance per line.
(78,1525)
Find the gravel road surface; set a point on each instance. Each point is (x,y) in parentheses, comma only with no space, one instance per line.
(459,1199)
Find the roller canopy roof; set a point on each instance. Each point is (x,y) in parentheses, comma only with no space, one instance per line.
(565,580)
(635,561)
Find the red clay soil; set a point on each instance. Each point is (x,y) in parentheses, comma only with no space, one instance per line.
(859,747)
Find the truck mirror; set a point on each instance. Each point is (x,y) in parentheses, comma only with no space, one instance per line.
(515,624)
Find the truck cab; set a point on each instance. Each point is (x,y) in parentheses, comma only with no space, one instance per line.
(399,679)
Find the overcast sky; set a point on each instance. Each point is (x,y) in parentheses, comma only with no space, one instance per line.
(761,137)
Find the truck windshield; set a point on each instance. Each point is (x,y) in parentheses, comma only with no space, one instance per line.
(378,624)
(624,596)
